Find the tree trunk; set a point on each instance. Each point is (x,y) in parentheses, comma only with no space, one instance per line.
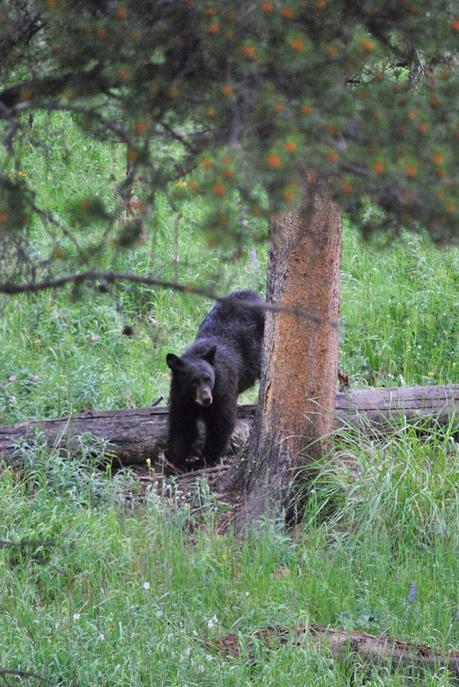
(298,386)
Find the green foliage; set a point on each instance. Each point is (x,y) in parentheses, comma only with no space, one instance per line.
(88,211)
(59,356)
(398,312)
(110,594)
(241,105)
(409,482)
(14,196)
(115,590)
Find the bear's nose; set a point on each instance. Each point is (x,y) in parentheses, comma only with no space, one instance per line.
(207,400)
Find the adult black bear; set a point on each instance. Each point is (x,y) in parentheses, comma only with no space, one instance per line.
(223,361)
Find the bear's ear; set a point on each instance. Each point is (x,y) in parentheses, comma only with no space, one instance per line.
(173,361)
(209,355)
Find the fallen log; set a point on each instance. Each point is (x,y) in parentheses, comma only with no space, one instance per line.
(130,435)
(342,645)
(133,435)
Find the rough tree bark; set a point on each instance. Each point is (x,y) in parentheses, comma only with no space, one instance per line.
(298,385)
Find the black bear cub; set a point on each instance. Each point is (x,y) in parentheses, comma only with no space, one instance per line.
(223,361)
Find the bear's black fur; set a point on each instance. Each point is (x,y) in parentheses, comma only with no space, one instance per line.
(223,361)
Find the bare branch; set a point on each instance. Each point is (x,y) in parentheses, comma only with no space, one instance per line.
(178,137)
(112,277)
(51,85)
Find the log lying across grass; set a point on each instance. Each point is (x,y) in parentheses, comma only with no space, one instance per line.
(342,645)
(133,435)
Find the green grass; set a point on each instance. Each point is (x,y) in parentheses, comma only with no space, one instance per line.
(398,304)
(126,596)
(75,345)
(129,591)
(398,312)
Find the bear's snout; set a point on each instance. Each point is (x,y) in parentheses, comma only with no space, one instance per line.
(204,398)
